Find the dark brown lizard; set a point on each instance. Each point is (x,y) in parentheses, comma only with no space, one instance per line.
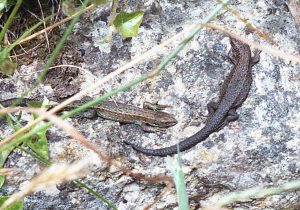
(233,93)
(150,118)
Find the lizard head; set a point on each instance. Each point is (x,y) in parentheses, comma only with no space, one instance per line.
(165,120)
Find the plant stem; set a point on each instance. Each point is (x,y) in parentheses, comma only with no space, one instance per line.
(10,19)
(113,12)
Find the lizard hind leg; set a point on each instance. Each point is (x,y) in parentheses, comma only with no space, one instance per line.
(230,117)
(212,107)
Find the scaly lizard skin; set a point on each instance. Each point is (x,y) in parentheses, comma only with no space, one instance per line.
(233,93)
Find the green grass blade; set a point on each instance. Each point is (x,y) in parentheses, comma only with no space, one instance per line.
(90,190)
(28,32)
(10,19)
(175,166)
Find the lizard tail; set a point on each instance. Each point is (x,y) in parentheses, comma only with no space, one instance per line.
(154,152)
(183,145)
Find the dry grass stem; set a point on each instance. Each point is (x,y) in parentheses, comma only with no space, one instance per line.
(7,171)
(165,190)
(249,25)
(45,26)
(279,53)
(54,25)
(55,174)
(294,8)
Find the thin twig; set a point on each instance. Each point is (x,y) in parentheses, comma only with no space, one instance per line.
(10,19)
(257,192)
(113,12)
(249,25)
(270,50)
(53,175)
(45,26)
(56,24)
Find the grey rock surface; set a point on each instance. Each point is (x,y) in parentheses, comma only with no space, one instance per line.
(260,149)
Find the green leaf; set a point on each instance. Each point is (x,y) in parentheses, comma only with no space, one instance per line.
(5,153)
(38,142)
(2,180)
(128,23)
(175,166)
(3,156)
(18,205)
(10,3)
(4,53)
(3,4)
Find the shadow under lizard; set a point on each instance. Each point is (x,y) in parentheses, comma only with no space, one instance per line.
(233,93)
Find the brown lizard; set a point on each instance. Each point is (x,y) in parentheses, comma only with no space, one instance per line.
(150,117)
